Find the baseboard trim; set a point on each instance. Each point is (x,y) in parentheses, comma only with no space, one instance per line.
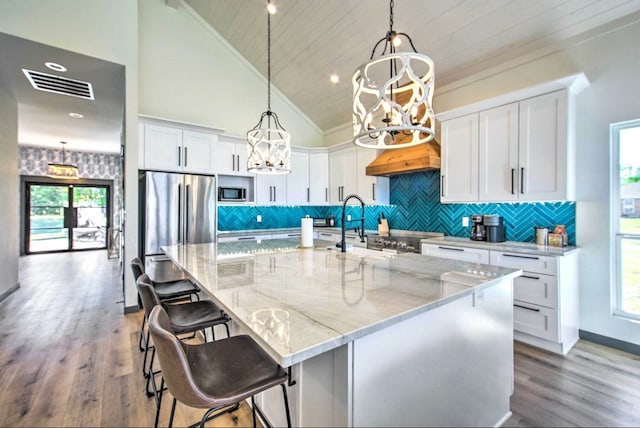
(131,309)
(629,347)
(9,291)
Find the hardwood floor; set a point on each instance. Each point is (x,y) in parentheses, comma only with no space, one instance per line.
(69,357)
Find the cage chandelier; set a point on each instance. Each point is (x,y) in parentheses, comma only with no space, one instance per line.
(62,170)
(393,96)
(269,144)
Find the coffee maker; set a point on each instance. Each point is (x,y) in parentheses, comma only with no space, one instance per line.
(494,228)
(478,232)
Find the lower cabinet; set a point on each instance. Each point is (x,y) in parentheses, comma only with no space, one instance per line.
(545,296)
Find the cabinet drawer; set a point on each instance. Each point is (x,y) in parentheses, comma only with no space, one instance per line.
(535,320)
(536,288)
(456,253)
(526,262)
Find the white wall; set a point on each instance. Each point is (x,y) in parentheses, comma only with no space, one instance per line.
(188,73)
(612,65)
(105,29)
(9,191)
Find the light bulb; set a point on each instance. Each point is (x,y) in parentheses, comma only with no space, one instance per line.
(396,41)
(271,8)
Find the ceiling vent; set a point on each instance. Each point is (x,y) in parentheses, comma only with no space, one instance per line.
(59,85)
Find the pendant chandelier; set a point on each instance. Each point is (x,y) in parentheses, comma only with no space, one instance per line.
(62,170)
(269,143)
(392,96)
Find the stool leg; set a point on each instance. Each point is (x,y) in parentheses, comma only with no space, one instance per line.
(253,411)
(286,404)
(173,410)
(226,325)
(146,351)
(144,320)
(158,404)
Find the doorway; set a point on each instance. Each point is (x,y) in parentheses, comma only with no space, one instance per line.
(62,216)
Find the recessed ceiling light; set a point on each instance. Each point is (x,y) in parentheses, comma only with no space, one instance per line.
(76,115)
(334,78)
(55,66)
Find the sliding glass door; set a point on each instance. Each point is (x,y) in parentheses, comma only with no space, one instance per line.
(66,217)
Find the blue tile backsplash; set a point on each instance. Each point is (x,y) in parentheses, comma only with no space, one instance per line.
(415,205)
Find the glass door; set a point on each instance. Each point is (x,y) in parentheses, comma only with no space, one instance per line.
(66,217)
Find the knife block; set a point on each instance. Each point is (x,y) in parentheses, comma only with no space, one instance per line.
(383,226)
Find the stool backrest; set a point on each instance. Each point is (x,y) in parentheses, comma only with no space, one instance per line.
(147,293)
(137,268)
(173,360)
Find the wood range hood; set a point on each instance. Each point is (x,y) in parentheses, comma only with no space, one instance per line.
(423,157)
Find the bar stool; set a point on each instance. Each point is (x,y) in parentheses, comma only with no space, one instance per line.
(167,291)
(184,318)
(213,375)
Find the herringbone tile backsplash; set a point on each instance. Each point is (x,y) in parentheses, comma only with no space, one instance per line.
(415,205)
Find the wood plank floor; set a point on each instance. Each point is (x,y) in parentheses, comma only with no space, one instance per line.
(69,357)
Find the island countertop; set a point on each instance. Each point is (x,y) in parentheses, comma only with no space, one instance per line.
(298,303)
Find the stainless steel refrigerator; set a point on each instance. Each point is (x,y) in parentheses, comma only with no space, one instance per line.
(174,209)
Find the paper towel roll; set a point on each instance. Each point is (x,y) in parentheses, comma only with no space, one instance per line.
(306,232)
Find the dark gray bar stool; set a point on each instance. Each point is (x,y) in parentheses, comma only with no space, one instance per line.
(185,318)
(167,291)
(213,375)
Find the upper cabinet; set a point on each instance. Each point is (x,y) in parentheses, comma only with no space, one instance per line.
(230,156)
(374,190)
(514,151)
(168,148)
(318,178)
(342,174)
(298,180)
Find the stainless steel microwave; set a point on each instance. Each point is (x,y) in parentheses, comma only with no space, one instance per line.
(232,194)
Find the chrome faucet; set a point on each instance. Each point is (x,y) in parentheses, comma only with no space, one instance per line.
(344,212)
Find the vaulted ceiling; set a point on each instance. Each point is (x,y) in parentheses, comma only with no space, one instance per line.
(312,39)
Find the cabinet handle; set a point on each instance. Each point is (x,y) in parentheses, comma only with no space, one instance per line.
(179,157)
(326,194)
(442,185)
(186,157)
(238,163)
(537,278)
(275,198)
(308,194)
(247,238)
(521,257)
(450,248)
(524,307)
(326,234)
(233,162)
(373,191)
(270,193)
(179,214)
(187,190)
(513,171)
(522,180)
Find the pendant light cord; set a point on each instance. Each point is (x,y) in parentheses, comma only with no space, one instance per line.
(269,61)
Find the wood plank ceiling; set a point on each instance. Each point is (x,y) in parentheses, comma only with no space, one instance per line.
(312,39)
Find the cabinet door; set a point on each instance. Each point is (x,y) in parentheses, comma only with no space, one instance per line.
(459,157)
(318,178)
(224,158)
(543,148)
(242,155)
(336,176)
(374,190)
(271,189)
(298,180)
(350,184)
(498,154)
(455,253)
(196,152)
(162,148)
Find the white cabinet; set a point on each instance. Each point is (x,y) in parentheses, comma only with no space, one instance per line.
(271,189)
(456,253)
(342,174)
(514,152)
(230,156)
(374,190)
(459,159)
(545,307)
(298,188)
(173,149)
(319,178)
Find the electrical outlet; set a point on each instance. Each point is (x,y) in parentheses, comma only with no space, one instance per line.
(465,221)
(348,217)
(259,218)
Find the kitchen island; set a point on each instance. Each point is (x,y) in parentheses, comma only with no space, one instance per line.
(371,339)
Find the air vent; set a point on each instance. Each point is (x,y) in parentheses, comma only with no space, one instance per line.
(59,85)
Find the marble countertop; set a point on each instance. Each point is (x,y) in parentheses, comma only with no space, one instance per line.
(508,246)
(298,303)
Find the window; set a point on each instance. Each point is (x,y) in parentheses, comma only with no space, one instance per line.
(625,204)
